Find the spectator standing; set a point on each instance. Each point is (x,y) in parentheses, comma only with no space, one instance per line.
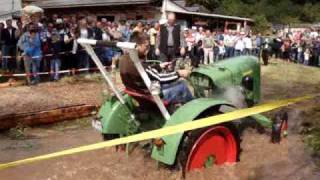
(56,39)
(18,34)
(259,42)
(1,41)
(247,45)
(9,48)
(190,41)
(31,45)
(317,50)
(153,33)
(139,27)
(124,30)
(307,56)
(229,42)
(84,32)
(69,43)
(199,34)
(300,55)
(208,45)
(170,40)
(222,50)
(265,50)
(239,46)
(98,33)
(285,48)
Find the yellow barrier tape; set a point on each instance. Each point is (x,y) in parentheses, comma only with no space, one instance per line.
(209,121)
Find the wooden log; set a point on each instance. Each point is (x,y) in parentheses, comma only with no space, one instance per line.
(46,117)
(11,82)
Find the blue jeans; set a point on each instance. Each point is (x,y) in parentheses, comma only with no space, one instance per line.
(177,92)
(256,52)
(247,52)
(238,53)
(83,59)
(8,50)
(55,64)
(300,57)
(229,51)
(35,67)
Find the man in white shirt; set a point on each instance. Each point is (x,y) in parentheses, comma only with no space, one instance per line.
(239,46)
(248,45)
(229,41)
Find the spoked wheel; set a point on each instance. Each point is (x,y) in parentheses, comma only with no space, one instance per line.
(279,127)
(208,147)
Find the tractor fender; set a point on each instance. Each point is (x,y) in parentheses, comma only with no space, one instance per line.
(114,116)
(188,112)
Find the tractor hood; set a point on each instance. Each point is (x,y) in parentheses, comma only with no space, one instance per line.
(227,73)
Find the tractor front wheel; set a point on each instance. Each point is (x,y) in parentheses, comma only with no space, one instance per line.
(210,146)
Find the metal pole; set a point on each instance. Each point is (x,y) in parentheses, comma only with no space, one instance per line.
(103,71)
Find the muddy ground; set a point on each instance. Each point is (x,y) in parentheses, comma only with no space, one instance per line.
(259,159)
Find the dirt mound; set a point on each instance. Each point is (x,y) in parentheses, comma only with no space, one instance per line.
(48,96)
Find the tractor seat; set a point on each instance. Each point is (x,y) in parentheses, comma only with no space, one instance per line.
(142,98)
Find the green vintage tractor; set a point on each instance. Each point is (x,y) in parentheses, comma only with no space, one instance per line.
(218,88)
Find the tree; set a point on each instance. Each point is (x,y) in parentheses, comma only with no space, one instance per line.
(265,11)
(261,24)
(310,12)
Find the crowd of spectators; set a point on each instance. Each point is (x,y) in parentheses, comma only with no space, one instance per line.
(301,47)
(50,45)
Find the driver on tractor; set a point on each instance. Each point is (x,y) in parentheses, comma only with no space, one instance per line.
(173,90)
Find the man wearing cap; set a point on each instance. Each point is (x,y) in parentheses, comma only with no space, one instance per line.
(170,40)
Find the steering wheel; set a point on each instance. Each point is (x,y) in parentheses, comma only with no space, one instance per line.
(153,61)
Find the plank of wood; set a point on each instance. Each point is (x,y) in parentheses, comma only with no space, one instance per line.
(46,117)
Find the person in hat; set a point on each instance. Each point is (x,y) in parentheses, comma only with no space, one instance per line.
(30,43)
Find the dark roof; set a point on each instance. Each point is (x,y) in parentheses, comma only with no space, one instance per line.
(192,8)
(82,3)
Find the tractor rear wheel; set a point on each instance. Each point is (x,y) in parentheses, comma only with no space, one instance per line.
(210,146)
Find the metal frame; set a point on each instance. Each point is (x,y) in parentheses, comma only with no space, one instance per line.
(131,49)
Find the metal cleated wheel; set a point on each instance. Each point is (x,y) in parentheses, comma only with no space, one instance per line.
(279,127)
(210,146)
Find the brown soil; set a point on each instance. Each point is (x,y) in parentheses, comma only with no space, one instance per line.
(48,96)
(259,158)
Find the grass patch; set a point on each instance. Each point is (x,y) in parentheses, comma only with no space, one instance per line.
(95,77)
(72,125)
(17,132)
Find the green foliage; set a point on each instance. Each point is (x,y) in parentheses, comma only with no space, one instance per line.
(261,24)
(266,11)
(313,140)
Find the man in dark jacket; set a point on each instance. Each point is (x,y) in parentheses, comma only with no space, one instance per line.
(9,46)
(170,40)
